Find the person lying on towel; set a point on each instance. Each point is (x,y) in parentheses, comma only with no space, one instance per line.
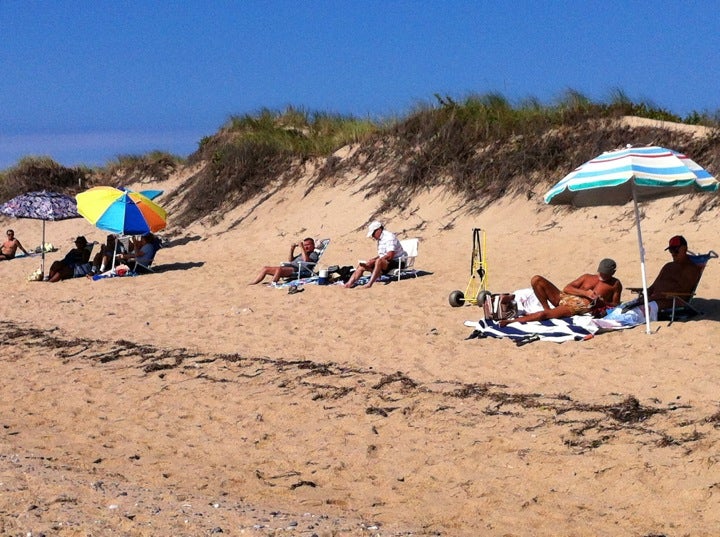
(586,294)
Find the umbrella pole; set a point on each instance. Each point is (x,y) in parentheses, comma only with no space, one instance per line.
(42,249)
(642,262)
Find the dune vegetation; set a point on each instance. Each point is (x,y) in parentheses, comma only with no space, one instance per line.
(480,148)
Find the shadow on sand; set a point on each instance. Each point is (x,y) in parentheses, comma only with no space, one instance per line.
(709,309)
(181,241)
(167,267)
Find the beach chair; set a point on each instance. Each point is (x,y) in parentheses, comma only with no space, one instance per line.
(407,262)
(681,302)
(310,268)
(124,245)
(681,306)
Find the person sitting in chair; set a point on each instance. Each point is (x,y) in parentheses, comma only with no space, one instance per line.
(589,292)
(389,252)
(10,246)
(679,276)
(142,254)
(294,264)
(64,269)
(103,259)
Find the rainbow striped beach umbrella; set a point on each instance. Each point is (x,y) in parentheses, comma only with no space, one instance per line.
(632,174)
(123,212)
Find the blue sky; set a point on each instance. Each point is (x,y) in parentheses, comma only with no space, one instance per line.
(86,81)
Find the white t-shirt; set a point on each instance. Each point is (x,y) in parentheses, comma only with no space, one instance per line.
(389,243)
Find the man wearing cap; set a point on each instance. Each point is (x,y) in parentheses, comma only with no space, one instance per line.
(588,293)
(679,276)
(389,252)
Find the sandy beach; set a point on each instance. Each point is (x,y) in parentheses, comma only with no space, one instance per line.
(187,402)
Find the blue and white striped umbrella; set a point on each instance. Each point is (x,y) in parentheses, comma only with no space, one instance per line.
(632,174)
(640,173)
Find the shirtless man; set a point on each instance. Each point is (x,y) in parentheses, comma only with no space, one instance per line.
(586,293)
(10,246)
(307,255)
(680,276)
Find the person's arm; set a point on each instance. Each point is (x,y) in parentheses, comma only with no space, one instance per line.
(309,257)
(21,247)
(575,288)
(617,294)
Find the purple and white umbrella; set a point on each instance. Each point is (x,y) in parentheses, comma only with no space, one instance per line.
(43,206)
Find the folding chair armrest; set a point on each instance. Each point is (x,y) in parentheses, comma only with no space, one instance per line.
(635,289)
(671,294)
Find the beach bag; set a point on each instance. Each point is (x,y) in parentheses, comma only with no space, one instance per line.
(500,306)
(35,276)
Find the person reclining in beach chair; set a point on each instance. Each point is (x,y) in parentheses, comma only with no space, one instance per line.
(142,254)
(587,294)
(11,246)
(103,259)
(64,269)
(677,280)
(301,263)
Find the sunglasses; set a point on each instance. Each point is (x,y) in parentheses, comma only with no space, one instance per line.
(674,249)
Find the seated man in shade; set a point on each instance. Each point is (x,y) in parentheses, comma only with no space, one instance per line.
(294,263)
(10,246)
(679,276)
(103,259)
(64,269)
(142,254)
(587,293)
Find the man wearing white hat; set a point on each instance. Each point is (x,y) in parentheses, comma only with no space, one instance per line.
(389,252)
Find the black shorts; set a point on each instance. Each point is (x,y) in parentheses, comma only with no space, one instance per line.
(394,264)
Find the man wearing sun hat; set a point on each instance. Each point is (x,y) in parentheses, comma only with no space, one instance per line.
(389,252)
(679,276)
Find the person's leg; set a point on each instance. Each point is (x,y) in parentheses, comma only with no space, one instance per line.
(61,272)
(265,271)
(545,291)
(356,275)
(554,313)
(53,270)
(282,272)
(380,267)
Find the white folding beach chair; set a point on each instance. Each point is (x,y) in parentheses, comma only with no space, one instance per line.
(407,262)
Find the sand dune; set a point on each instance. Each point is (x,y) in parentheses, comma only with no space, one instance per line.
(188,403)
